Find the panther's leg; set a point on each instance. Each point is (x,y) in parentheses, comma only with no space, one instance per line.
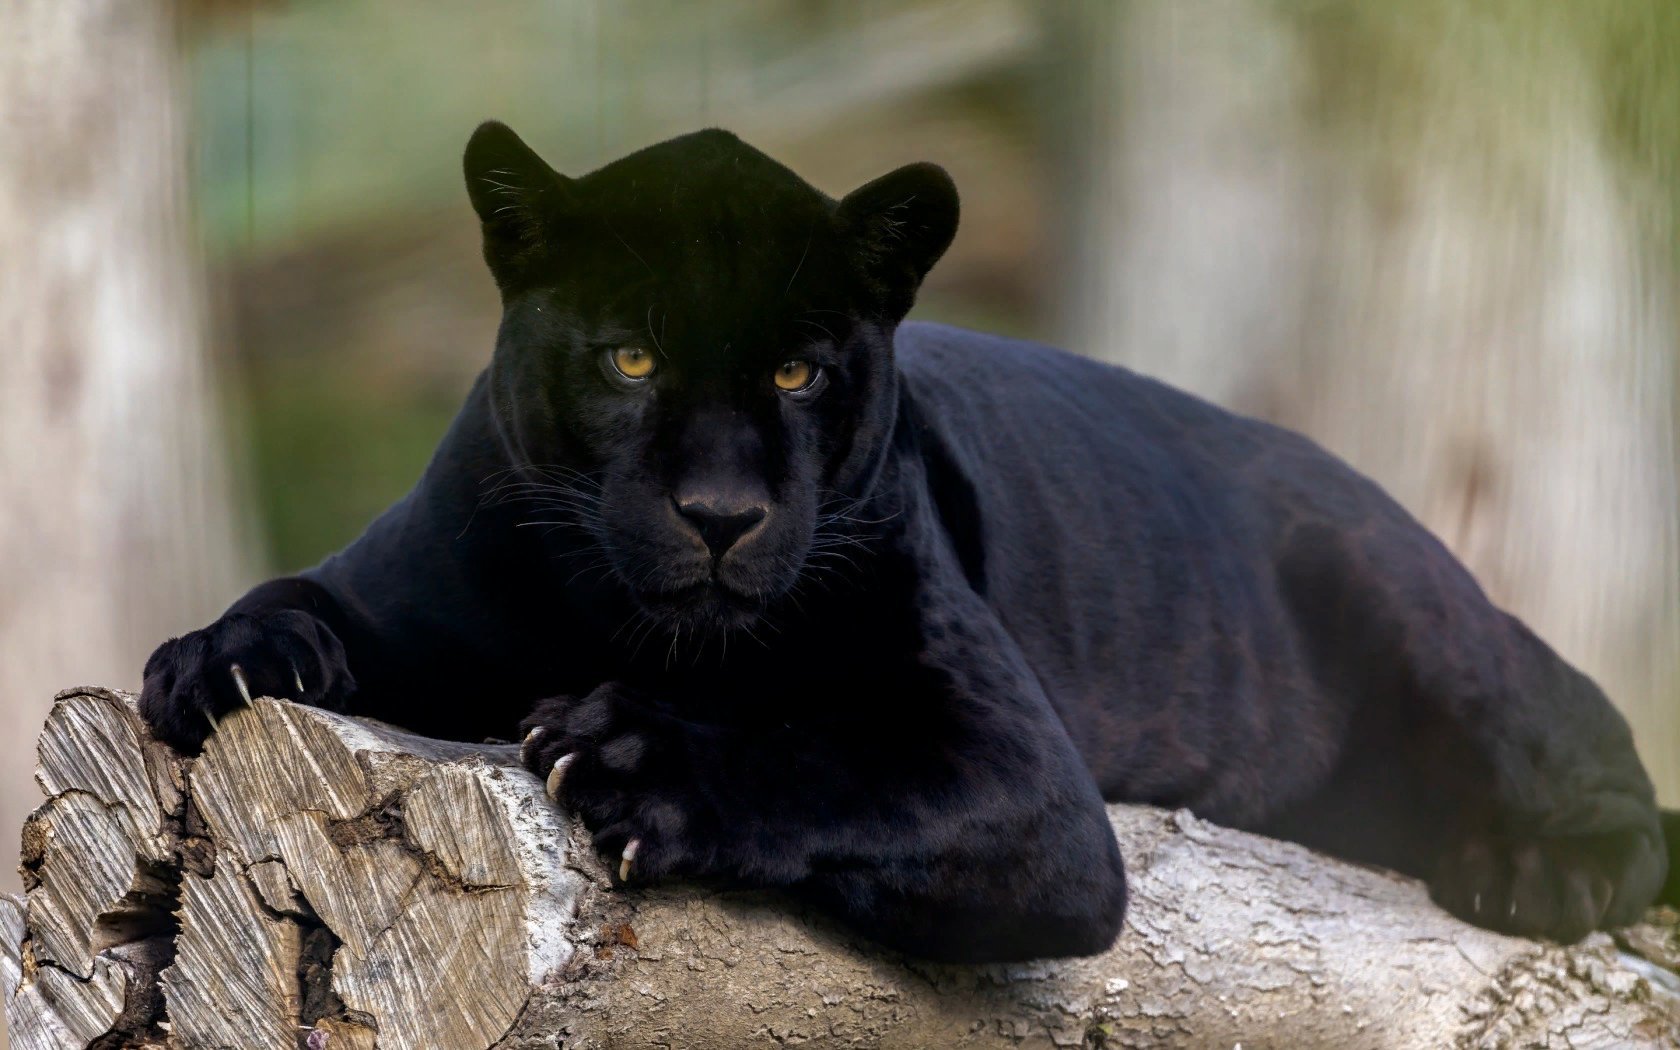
(283,639)
(924,790)
(1568,839)
(1549,825)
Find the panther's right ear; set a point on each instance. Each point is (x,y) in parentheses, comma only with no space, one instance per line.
(516,196)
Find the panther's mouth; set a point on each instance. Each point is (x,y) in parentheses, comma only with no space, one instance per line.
(706,604)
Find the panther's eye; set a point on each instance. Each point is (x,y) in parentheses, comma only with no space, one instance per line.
(632,362)
(793,376)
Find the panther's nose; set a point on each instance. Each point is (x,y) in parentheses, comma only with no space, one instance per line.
(720,520)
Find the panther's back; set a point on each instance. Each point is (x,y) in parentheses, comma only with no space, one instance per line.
(1127,534)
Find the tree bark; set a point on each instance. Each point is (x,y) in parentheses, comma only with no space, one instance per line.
(319,881)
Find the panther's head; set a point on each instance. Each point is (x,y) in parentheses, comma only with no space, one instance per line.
(695,358)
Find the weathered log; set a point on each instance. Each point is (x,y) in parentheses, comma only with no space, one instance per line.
(320,881)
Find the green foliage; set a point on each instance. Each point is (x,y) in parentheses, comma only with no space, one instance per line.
(332,450)
(1636,51)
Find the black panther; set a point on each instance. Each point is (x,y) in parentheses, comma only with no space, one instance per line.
(782,591)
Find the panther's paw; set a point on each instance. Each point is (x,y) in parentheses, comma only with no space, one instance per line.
(625,769)
(1558,887)
(192,681)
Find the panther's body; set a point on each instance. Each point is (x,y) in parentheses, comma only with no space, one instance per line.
(785,591)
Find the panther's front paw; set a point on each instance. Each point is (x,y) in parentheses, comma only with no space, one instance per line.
(193,680)
(1560,887)
(625,768)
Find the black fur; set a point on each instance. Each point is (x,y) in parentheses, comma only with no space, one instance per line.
(979,587)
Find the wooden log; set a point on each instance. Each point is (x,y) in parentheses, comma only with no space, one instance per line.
(319,881)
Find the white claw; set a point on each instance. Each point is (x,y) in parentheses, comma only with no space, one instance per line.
(298,679)
(630,850)
(239,680)
(1513,911)
(215,725)
(557,775)
(1476,903)
(531,740)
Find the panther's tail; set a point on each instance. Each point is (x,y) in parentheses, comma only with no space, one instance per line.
(1671,831)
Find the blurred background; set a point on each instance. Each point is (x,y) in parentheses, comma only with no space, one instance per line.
(240,293)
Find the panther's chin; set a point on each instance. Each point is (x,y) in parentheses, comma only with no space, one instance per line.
(703,608)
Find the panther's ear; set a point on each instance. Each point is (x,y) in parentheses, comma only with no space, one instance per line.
(516,196)
(899,226)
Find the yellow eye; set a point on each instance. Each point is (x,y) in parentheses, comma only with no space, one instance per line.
(795,375)
(632,362)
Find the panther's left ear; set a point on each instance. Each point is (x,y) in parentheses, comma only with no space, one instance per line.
(899,225)
(516,195)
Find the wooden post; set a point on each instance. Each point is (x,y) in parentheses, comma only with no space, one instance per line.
(114,480)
